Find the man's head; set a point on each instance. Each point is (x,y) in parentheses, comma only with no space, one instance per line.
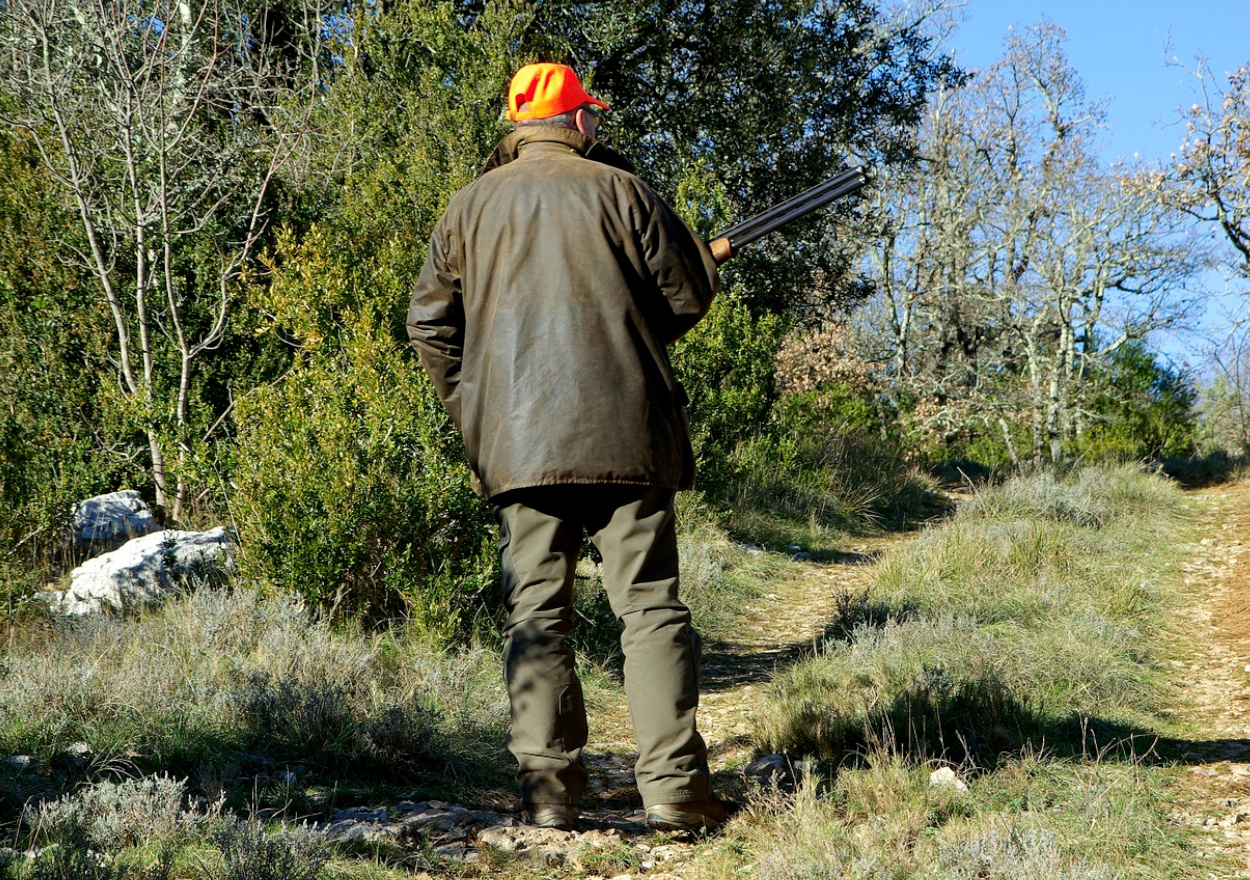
(551,94)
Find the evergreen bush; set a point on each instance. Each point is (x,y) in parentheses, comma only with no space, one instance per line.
(351,490)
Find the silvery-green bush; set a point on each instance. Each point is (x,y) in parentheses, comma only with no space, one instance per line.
(251,853)
(113,815)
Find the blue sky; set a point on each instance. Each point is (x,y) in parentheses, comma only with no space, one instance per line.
(1121,50)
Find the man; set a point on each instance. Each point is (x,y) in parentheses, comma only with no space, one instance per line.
(552,285)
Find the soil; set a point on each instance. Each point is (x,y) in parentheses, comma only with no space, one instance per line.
(1214,675)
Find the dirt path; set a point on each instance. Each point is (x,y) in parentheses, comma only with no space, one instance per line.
(781,627)
(1215,675)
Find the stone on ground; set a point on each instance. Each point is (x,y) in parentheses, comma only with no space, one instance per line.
(106,522)
(143,571)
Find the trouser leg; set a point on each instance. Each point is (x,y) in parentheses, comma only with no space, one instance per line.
(538,554)
(638,542)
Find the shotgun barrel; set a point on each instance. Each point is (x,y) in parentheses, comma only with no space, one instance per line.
(754,228)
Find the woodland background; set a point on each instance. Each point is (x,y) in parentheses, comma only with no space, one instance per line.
(211,215)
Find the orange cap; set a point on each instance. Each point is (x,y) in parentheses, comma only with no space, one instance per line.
(546,90)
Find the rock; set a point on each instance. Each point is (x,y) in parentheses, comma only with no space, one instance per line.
(945,777)
(525,840)
(106,522)
(23,763)
(360,814)
(77,757)
(453,851)
(142,572)
(769,768)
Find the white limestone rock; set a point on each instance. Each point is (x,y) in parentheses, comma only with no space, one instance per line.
(945,777)
(143,571)
(106,522)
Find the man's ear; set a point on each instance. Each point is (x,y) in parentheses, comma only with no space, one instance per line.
(584,121)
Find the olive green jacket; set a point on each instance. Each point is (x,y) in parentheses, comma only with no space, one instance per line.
(552,285)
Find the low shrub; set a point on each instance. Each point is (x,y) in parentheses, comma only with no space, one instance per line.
(113,815)
(76,862)
(351,491)
(250,852)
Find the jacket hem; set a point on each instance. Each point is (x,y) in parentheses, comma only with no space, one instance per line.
(588,481)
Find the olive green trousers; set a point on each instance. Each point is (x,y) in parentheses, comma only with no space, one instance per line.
(540,535)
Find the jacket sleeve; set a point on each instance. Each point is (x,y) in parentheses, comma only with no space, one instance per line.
(681,265)
(436,319)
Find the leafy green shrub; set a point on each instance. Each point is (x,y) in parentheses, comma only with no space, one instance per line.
(351,490)
(726,366)
(1141,408)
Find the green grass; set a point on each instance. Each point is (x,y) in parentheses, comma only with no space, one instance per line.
(1036,819)
(814,490)
(1036,612)
(1021,642)
(233,690)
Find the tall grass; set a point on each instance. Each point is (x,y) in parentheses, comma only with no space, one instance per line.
(796,489)
(1034,613)
(222,685)
(1020,642)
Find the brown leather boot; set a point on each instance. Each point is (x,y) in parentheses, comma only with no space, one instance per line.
(705,815)
(558,816)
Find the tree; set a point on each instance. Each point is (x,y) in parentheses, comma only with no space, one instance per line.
(51,426)
(1012,263)
(166,125)
(1226,399)
(1210,175)
(1141,408)
(763,100)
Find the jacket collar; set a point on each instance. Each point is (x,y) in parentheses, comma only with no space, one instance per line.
(509,149)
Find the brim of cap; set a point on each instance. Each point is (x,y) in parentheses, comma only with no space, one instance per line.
(541,112)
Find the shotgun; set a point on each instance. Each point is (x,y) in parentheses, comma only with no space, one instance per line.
(733,240)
